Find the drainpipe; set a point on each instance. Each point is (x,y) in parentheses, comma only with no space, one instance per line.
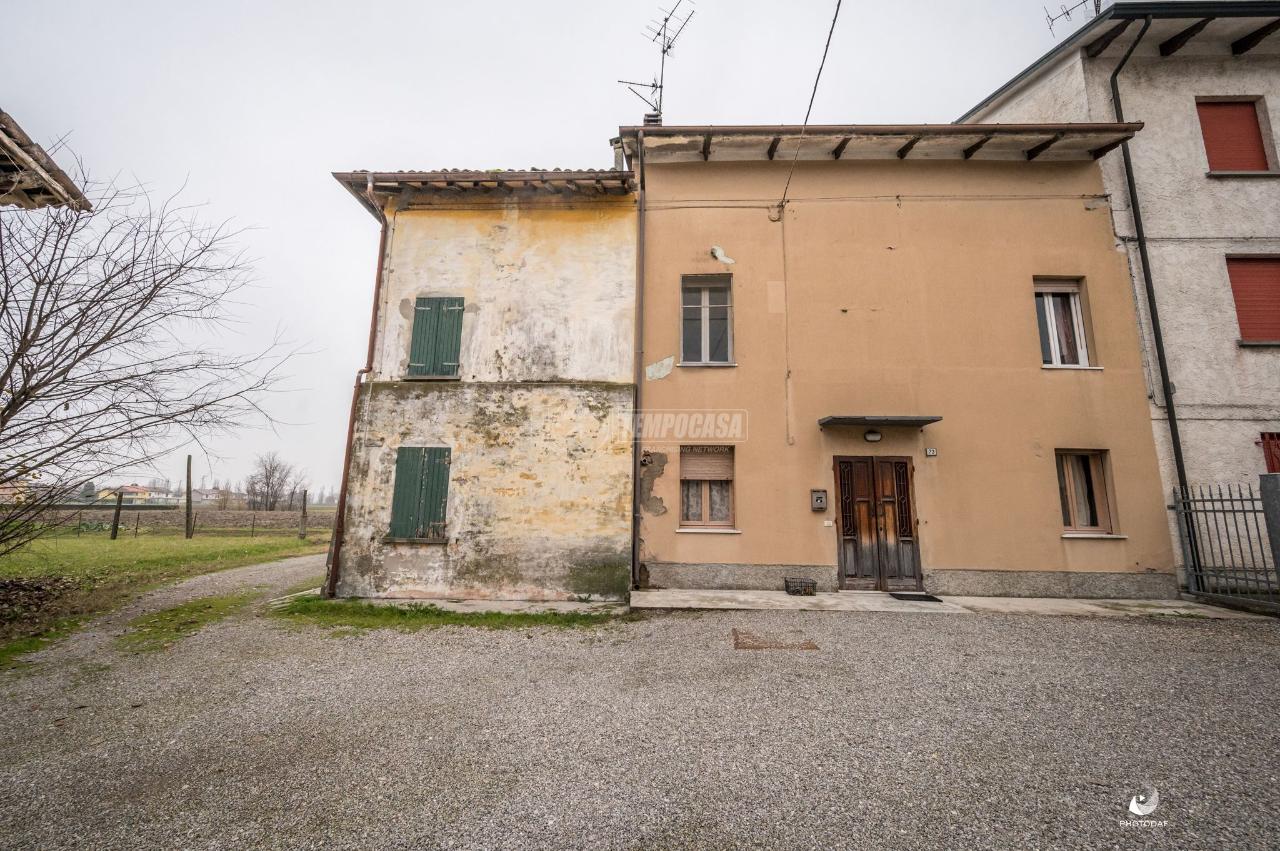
(1166,386)
(339,523)
(639,365)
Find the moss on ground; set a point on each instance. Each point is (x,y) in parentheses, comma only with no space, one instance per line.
(354,615)
(160,630)
(13,650)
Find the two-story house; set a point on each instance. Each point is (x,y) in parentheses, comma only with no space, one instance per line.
(920,370)
(489,449)
(1196,197)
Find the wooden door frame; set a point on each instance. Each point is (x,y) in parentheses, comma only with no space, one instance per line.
(875,478)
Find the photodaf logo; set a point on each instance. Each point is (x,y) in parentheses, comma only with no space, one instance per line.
(1142,805)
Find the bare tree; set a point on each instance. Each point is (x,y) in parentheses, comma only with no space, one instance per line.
(98,372)
(268,485)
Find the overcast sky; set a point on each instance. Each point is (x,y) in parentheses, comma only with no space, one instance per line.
(252,103)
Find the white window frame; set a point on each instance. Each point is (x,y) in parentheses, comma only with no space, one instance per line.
(1073,289)
(705,284)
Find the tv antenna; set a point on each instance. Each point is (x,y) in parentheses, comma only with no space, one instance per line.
(1065,15)
(662,32)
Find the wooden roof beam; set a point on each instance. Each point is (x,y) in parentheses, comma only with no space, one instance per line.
(1032,153)
(906,149)
(1102,42)
(1177,42)
(773,146)
(706,147)
(977,146)
(1099,153)
(1253,39)
(839,149)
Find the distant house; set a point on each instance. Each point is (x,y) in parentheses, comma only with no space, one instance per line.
(133,494)
(29,178)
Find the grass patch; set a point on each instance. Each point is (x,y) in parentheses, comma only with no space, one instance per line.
(12,650)
(95,574)
(160,630)
(351,615)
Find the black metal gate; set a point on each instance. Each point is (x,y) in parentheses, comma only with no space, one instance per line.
(1225,546)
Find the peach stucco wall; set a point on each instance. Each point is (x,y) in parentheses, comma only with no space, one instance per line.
(902,288)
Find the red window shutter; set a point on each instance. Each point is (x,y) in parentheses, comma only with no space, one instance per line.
(1255,283)
(1271,450)
(1232,138)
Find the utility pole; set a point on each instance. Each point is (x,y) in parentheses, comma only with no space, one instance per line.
(115,518)
(190,526)
(302,523)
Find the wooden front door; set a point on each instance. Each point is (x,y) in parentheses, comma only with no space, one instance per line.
(878,546)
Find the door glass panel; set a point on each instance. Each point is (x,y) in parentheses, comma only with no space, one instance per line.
(717,296)
(692,335)
(720,497)
(692,296)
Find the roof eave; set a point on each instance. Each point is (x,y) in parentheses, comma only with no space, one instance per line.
(1124,11)
(31,155)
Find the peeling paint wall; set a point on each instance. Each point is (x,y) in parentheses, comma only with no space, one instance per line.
(550,290)
(539,497)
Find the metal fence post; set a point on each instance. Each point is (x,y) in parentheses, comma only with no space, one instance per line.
(1270,487)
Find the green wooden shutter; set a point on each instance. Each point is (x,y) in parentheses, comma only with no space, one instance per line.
(437,337)
(435,493)
(404,498)
(420,495)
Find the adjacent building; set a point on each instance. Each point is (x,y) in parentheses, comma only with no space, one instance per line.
(29,178)
(1196,207)
(921,370)
(490,452)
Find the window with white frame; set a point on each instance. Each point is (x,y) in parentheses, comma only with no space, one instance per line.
(706,320)
(1060,316)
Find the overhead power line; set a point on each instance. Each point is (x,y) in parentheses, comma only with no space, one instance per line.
(807,112)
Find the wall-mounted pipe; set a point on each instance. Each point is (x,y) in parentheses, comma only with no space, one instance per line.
(1166,385)
(339,524)
(639,366)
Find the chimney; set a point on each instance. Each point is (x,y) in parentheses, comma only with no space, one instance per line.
(653,119)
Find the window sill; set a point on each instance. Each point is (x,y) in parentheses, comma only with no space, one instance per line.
(1070,366)
(1229,174)
(709,530)
(387,539)
(697,363)
(1258,344)
(1096,536)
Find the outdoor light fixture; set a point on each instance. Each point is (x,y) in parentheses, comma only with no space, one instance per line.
(871,436)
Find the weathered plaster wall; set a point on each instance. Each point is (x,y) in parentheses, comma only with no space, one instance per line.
(904,288)
(550,289)
(539,492)
(1226,394)
(540,482)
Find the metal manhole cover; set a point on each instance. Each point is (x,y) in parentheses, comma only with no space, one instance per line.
(747,640)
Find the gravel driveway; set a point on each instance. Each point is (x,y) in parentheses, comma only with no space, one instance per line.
(898,731)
